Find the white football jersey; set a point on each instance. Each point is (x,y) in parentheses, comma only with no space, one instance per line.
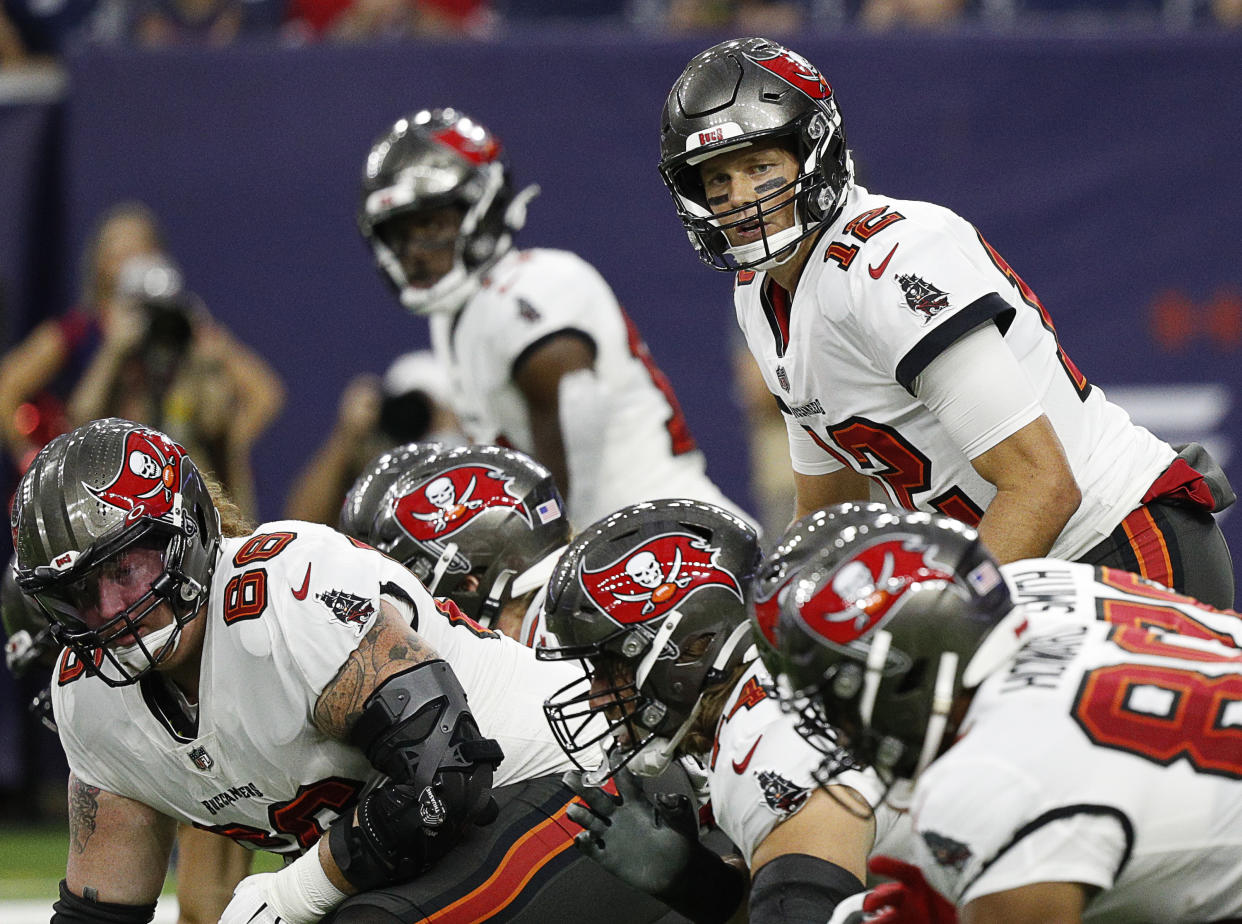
(287,606)
(1107,753)
(888,287)
(760,770)
(530,295)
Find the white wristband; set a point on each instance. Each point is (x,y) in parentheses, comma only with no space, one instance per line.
(302,893)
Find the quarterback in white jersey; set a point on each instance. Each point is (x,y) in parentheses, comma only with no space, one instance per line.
(905,352)
(651,600)
(1080,723)
(541,356)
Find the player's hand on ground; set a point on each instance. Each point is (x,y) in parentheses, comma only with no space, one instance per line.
(906,900)
(628,834)
(250,903)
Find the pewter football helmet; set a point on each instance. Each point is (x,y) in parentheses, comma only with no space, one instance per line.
(883,626)
(650,599)
(742,93)
(89,497)
(473,511)
(429,160)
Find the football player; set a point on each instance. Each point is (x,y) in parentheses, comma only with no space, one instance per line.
(651,601)
(1069,731)
(541,356)
(208,866)
(905,352)
(480,525)
(288,688)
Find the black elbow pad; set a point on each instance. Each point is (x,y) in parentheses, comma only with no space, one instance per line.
(417,729)
(796,888)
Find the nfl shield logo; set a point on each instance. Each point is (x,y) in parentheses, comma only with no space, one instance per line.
(202,759)
(783,377)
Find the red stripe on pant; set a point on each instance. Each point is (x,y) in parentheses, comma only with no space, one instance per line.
(1147,542)
(529,854)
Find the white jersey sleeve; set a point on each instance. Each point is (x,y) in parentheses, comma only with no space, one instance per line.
(760,771)
(966,840)
(906,319)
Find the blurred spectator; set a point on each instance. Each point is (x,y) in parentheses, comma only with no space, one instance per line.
(165,362)
(38,373)
(545,11)
(201,22)
(408,405)
(883,14)
(356,20)
(39,31)
(761,17)
(1227,12)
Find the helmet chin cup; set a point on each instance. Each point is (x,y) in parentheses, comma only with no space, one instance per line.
(447,295)
(780,248)
(154,648)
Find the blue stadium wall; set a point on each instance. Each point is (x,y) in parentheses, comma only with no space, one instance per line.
(1104,168)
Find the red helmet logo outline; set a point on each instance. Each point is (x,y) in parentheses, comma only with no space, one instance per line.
(867,590)
(655,577)
(481,150)
(447,501)
(796,71)
(149,479)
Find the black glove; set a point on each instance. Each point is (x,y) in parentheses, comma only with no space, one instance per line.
(652,844)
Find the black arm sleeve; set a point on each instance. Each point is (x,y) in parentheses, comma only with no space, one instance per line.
(73,909)
(708,891)
(799,889)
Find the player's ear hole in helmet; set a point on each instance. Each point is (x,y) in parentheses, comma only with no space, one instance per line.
(741,95)
(118,502)
(438,180)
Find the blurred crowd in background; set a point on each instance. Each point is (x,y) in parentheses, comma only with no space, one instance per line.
(35,32)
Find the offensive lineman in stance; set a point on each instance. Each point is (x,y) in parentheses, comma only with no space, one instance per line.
(287,688)
(651,601)
(540,354)
(1091,713)
(904,351)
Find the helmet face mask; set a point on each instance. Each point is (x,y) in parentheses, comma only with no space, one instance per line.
(441,172)
(650,600)
(753,94)
(115,503)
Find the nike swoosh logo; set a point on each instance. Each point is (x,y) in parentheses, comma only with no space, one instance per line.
(300,593)
(878,271)
(745,762)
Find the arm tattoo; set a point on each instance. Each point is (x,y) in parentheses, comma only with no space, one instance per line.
(83,807)
(391,646)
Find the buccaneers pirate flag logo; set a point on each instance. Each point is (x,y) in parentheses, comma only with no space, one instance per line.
(443,505)
(149,478)
(655,577)
(865,591)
